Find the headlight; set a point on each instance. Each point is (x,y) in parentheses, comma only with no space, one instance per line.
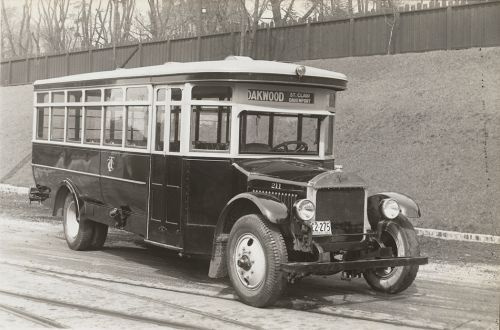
(389,208)
(304,209)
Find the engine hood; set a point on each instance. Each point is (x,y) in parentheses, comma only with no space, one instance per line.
(297,172)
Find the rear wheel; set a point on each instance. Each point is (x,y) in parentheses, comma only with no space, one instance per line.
(400,235)
(99,236)
(78,233)
(256,250)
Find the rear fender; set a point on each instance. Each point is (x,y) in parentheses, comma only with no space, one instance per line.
(66,187)
(270,207)
(409,208)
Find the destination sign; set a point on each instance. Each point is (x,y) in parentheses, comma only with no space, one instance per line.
(277,96)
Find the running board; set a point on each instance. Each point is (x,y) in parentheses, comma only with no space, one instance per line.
(166,246)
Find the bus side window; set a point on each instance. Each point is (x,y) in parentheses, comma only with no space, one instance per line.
(74,96)
(161,94)
(175,128)
(210,127)
(137,127)
(57,97)
(42,97)
(137,94)
(113,94)
(74,133)
(93,125)
(329,135)
(215,93)
(42,129)
(176,94)
(113,125)
(57,128)
(330,99)
(93,95)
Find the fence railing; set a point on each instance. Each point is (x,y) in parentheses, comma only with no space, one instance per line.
(438,28)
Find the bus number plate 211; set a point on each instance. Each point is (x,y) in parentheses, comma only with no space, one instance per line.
(321,228)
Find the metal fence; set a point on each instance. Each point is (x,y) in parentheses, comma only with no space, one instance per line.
(438,28)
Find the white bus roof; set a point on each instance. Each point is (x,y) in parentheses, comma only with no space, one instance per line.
(234,68)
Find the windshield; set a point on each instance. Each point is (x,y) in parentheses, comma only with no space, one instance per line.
(279,133)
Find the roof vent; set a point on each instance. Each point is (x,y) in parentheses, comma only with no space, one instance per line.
(239,58)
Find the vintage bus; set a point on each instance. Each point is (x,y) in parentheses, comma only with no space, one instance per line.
(230,159)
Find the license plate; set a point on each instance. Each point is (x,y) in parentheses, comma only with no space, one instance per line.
(322,228)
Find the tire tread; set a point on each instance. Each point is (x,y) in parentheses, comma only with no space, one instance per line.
(276,280)
(410,272)
(85,231)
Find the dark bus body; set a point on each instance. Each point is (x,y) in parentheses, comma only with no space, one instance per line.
(223,159)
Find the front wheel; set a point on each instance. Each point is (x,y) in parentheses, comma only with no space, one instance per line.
(400,235)
(256,250)
(78,232)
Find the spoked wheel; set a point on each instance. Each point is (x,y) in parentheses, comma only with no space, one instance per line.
(78,233)
(256,250)
(400,235)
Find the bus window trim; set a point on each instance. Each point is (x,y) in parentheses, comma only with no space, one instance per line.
(168,112)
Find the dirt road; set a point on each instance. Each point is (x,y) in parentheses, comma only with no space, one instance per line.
(132,285)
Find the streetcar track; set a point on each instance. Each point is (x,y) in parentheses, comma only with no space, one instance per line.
(105,312)
(169,304)
(316,310)
(32,317)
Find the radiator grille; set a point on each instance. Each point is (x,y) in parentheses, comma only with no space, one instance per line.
(345,209)
(287,198)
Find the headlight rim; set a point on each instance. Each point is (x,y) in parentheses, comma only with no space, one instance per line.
(384,209)
(296,212)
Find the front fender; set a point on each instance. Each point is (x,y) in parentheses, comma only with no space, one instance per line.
(270,207)
(409,208)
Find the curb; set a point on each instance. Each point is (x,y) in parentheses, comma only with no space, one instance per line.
(442,234)
(456,236)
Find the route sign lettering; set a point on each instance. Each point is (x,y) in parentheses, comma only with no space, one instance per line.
(279,96)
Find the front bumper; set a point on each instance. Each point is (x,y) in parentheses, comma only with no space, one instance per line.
(320,267)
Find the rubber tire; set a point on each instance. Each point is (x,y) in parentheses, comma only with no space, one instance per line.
(398,233)
(274,249)
(99,236)
(83,238)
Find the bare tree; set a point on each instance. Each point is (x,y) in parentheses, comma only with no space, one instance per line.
(53,15)
(252,22)
(113,23)
(7,29)
(17,33)
(276,9)
(314,4)
(85,23)
(122,20)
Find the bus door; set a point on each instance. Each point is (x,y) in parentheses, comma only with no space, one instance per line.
(166,168)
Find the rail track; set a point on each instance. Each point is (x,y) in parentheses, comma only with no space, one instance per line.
(107,312)
(317,307)
(78,280)
(45,322)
